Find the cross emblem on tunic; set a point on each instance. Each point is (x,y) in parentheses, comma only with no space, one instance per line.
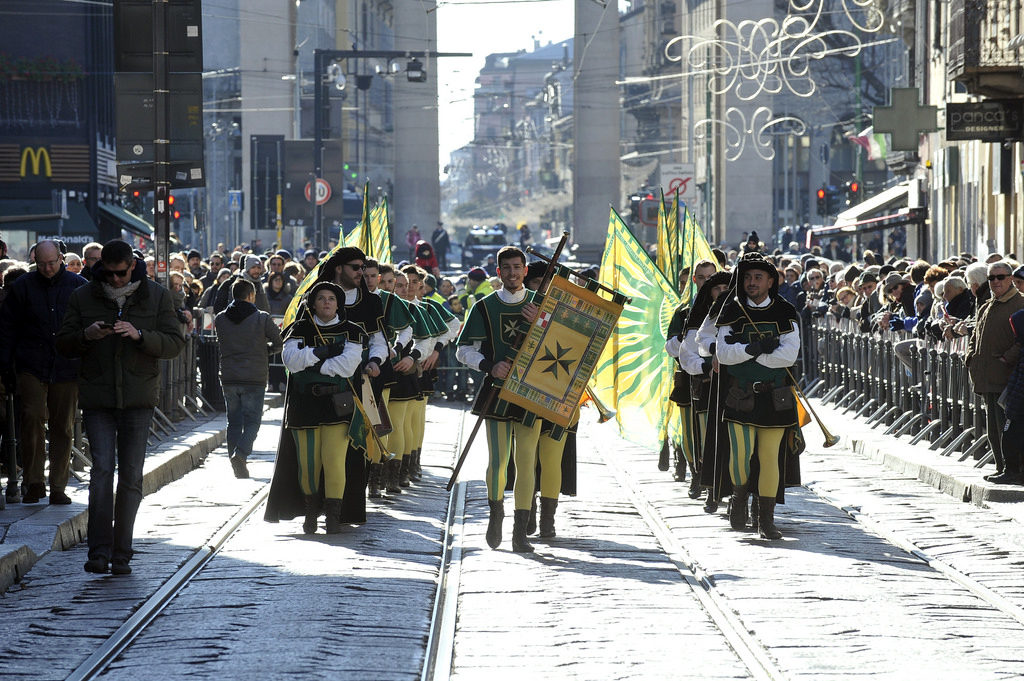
(905,119)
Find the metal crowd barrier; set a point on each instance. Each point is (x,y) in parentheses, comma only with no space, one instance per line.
(931,400)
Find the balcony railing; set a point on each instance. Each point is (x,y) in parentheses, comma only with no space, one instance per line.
(980,51)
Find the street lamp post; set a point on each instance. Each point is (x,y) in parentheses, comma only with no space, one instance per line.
(415,72)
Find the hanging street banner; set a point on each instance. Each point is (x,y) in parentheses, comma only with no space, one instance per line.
(555,362)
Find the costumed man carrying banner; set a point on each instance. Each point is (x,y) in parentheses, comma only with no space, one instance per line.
(485,344)
(758,340)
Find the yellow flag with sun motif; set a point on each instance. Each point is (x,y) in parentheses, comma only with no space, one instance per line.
(634,373)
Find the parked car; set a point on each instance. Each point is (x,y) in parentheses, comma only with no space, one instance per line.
(481,242)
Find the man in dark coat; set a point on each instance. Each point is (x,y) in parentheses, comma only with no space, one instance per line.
(992,351)
(46,382)
(247,337)
(121,325)
(441,244)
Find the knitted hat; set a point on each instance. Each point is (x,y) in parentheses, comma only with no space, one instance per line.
(251,261)
(477,274)
(287,255)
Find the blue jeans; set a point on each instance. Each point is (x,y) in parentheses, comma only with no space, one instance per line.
(115,435)
(245,413)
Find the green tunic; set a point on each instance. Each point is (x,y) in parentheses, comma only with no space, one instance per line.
(495,324)
(303,409)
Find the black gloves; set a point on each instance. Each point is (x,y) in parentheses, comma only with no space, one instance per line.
(762,346)
(330,350)
(897,324)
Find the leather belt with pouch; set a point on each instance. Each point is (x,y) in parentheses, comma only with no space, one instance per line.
(742,399)
(341,397)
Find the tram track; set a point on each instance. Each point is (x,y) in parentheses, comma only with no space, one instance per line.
(437,663)
(123,637)
(747,647)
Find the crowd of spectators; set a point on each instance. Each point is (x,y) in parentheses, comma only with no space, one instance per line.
(965,301)
(197,285)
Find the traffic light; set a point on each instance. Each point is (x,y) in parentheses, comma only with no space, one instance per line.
(822,201)
(834,200)
(852,193)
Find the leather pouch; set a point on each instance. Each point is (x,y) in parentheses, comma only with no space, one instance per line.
(783,398)
(739,399)
(343,403)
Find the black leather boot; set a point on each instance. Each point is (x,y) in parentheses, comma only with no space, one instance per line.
(332,508)
(766,519)
(531,526)
(403,471)
(494,523)
(755,512)
(312,504)
(738,507)
(373,480)
(520,544)
(415,470)
(679,472)
(391,469)
(710,504)
(694,492)
(547,516)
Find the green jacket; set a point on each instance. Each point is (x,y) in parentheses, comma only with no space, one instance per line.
(115,372)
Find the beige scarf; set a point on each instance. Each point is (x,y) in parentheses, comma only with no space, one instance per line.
(120,295)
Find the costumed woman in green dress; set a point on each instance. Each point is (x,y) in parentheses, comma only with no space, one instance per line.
(318,406)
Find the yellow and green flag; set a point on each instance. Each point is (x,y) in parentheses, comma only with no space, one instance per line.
(669,251)
(378,235)
(693,247)
(357,237)
(634,373)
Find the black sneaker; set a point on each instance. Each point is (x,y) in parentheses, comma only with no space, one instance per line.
(120,567)
(59,498)
(97,566)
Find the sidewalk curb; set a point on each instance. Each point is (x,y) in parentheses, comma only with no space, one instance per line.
(170,461)
(960,480)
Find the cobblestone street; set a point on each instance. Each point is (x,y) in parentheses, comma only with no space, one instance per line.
(640,583)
